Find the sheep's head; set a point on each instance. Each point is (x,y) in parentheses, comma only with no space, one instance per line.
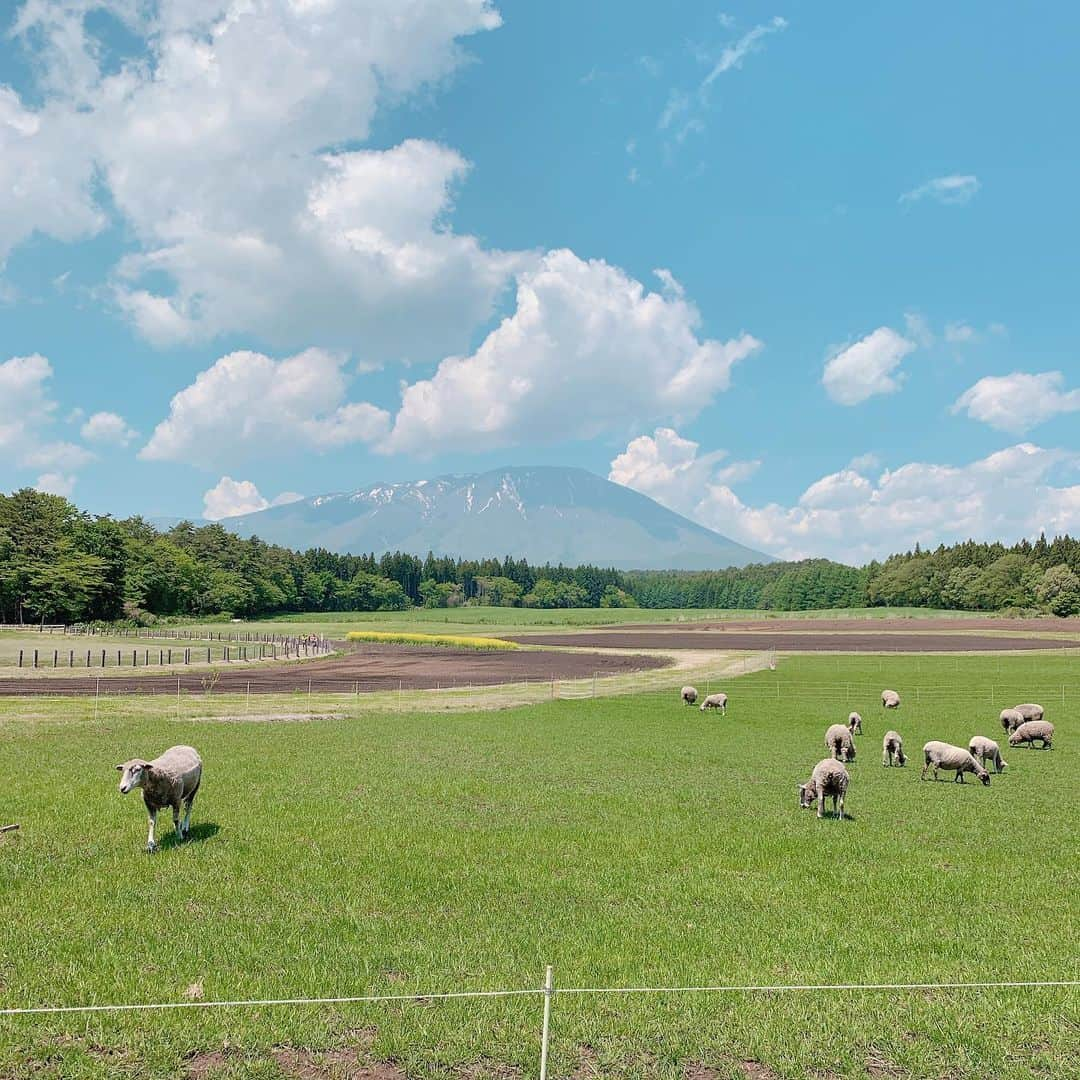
(132,774)
(807,794)
(848,752)
(1014,738)
(983,775)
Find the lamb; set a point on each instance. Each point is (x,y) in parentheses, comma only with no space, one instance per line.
(828,778)
(1011,719)
(890,699)
(839,743)
(1041,730)
(854,723)
(940,755)
(1030,711)
(987,750)
(892,747)
(689,695)
(169,780)
(715,701)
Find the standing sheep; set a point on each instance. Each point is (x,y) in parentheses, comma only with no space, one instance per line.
(890,699)
(892,747)
(987,750)
(828,778)
(172,780)
(1041,730)
(689,695)
(854,723)
(715,701)
(1011,719)
(940,755)
(839,743)
(1030,711)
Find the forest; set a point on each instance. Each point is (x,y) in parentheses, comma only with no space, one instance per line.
(61,565)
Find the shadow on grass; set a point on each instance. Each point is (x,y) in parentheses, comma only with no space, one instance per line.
(205,830)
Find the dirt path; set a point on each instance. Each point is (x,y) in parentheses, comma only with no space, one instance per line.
(369,668)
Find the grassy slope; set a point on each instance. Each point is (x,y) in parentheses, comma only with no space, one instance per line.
(625,841)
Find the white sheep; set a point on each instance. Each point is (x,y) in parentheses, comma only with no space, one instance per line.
(829,778)
(172,779)
(839,743)
(1032,731)
(715,701)
(892,748)
(854,723)
(689,695)
(1031,711)
(1011,719)
(985,750)
(890,699)
(940,755)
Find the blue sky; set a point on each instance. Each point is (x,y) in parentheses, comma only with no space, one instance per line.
(253,250)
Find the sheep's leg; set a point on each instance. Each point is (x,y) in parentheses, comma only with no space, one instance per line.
(187,815)
(151,843)
(839,806)
(821,804)
(924,768)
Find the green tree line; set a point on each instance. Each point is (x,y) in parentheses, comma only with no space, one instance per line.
(59,564)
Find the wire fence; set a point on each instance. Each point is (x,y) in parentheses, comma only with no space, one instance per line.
(548,991)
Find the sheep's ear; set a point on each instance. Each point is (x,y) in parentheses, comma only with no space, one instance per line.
(119,768)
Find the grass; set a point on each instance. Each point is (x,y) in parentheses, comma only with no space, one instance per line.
(458,641)
(494,620)
(627,841)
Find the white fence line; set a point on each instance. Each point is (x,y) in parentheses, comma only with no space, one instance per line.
(549,992)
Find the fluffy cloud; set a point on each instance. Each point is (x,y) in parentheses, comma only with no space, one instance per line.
(56,484)
(24,400)
(867,368)
(587,349)
(56,455)
(855,517)
(229,497)
(212,145)
(108,427)
(953,190)
(669,468)
(1018,402)
(247,404)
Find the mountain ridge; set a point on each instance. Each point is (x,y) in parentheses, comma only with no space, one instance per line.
(543,513)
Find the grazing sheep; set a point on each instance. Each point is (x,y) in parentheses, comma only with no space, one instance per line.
(1011,719)
(689,695)
(715,701)
(987,750)
(892,747)
(839,743)
(828,778)
(1041,730)
(169,780)
(890,699)
(940,755)
(1031,711)
(854,723)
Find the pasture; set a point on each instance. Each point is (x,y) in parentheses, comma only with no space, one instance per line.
(628,841)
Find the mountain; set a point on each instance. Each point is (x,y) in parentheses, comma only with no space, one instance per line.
(543,514)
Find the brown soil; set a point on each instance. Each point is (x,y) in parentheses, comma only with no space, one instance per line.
(366,668)
(808,640)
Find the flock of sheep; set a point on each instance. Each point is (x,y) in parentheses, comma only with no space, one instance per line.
(172,780)
(1023,724)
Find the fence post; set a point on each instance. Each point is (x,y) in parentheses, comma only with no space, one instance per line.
(545,1035)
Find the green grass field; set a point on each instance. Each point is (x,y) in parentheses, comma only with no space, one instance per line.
(627,841)
(494,620)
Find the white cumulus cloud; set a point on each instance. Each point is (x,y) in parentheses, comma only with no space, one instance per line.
(587,350)
(229,498)
(25,403)
(867,368)
(855,517)
(1018,402)
(55,483)
(952,190)
(248,404)
(109,428)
